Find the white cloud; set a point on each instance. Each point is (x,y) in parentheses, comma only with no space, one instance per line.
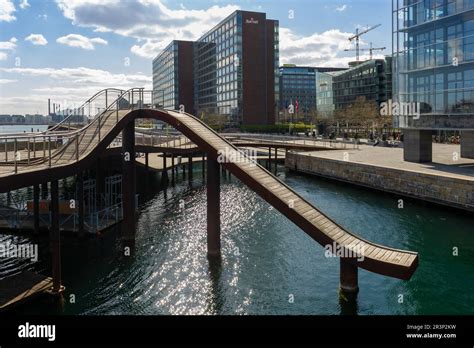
(325,49)
(154,25)
(149,49)
(6,11)
(5,81)
(148,20)
(3,56)
(24,4)
(77,40)
(8,45)
(37,39)
(68,86)
(82,76)
(341,8)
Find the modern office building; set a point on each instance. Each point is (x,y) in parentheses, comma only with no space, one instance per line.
(371,79)
(298,86)
(173,77)
(234,71)
(324,94)
(433,48)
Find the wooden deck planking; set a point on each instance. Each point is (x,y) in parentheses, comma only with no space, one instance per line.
(305,209)
(22,287)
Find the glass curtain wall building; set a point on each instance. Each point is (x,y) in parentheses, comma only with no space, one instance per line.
(231,72)
(165,77)
(236,69)
(324,94)
(298,85)
(217,57)
(371,79)
(433,48)
(173,76)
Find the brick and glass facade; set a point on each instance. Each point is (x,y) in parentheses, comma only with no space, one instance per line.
(234,70)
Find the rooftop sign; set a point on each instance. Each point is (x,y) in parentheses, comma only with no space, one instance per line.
(251,21)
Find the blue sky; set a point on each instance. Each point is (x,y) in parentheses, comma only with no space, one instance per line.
(68,49)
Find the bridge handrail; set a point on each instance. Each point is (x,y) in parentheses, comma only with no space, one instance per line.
(227,144)
(63,134)
(89,101)
(292,190)
(67,119)
(96,119)
(55,136)
(293,140)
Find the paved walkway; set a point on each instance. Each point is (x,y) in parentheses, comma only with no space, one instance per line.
(446,159)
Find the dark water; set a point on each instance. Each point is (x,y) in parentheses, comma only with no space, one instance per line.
(266,259)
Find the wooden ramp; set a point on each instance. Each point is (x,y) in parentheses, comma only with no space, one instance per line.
(22,287)
(81,152)
(375,258)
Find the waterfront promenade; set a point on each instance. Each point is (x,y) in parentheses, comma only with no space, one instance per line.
(448,180)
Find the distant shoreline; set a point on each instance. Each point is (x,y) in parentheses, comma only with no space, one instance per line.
(24,124)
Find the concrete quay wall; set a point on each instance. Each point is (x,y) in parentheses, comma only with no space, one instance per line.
(445,190)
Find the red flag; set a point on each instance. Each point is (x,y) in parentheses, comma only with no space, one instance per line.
(297,105)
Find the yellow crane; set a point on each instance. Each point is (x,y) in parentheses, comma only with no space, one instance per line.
(357,36)
(371,50)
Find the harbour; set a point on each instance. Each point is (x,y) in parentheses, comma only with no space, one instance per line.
(169,258)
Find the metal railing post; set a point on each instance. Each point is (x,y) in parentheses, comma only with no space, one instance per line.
(28,146)
(15,155)
(99,126)
(44,147)
(34,147)
(6,150)
(77,147)
(49,150)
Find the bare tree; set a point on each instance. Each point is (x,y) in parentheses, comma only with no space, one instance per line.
(360,115)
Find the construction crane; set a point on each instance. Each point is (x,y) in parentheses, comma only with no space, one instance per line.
(358,35)
(371,50)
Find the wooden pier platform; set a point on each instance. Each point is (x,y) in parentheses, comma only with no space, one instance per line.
(22,287)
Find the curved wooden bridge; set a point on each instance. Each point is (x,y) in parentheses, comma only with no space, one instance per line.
(79,149)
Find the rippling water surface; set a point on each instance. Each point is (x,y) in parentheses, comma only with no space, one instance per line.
(266,259)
